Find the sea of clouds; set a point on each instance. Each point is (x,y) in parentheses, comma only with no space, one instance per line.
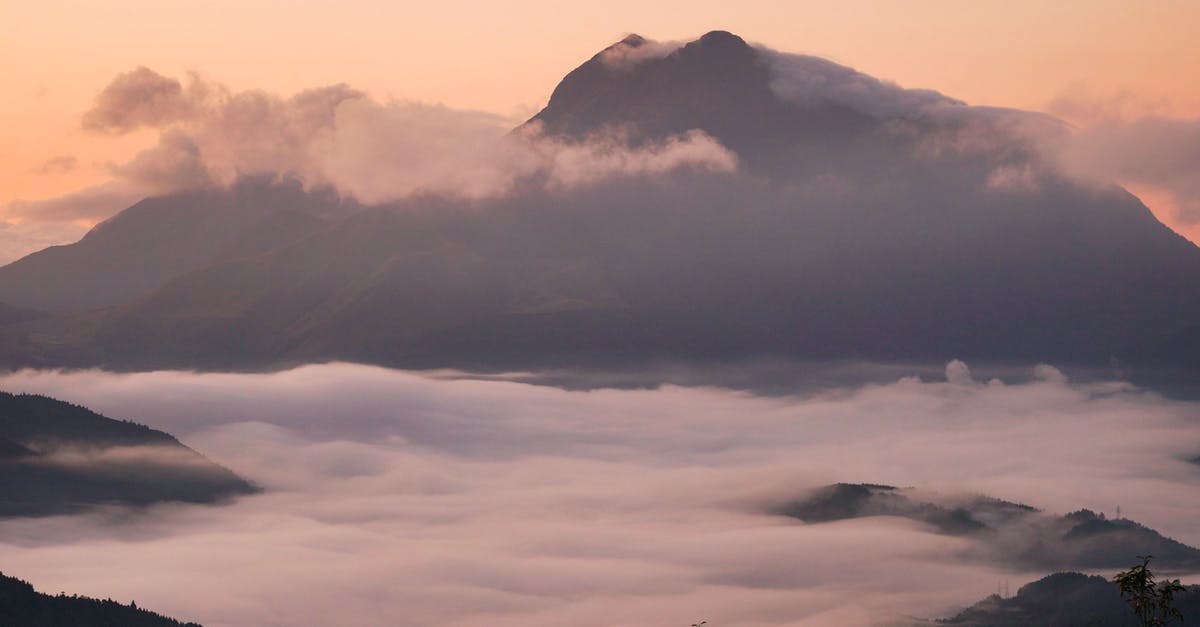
(403,498)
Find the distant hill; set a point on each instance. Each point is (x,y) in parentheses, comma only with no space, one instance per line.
(60,458)
(1010,534)
(1064,600)
(22,606)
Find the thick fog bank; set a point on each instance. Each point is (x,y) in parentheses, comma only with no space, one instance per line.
(404,498)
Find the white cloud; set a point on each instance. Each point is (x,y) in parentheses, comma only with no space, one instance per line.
(812,81)
(634,49)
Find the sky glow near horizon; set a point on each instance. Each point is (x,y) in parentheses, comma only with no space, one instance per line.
(396,497)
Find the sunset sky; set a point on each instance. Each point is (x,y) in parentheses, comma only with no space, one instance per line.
(1095,62)
(399,340)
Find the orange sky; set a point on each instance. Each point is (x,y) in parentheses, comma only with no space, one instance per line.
(506,57)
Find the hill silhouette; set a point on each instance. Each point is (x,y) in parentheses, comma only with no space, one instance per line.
(1066,599)
(58,458)
(1006,533)
(22,606)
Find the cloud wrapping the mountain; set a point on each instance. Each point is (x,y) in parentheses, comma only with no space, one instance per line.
(1110,145)
(400,498)
(373,151)
(810,81)
(139,98)
(174,164)
(89,204)
(1161,152)
(633,50)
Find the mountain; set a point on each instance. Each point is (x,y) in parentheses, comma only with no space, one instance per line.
(10,314)
(58,458)
(1007,533)
(22,606)
(160,238)
(717,83)
(864,221)
(1063,600)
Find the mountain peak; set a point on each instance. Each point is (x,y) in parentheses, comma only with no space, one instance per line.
(721,49)
(633,40)
(722,39)
(718,84)
(661,89)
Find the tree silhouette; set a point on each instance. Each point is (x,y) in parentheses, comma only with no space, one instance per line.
(1152,602)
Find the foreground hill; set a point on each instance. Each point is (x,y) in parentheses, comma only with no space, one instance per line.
(22,606)
(863,221)
(58,458)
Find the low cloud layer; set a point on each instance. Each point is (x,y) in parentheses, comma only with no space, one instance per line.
(402,498)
